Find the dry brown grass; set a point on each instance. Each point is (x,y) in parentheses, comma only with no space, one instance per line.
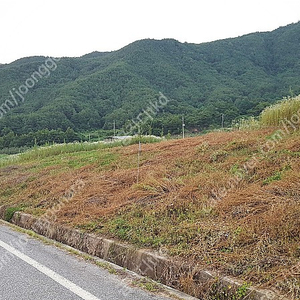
(252,233)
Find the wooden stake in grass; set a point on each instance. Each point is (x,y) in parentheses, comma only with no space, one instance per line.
(139,154)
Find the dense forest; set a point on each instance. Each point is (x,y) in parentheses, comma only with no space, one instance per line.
(229,79)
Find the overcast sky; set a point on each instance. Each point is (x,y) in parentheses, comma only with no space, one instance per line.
(73,28)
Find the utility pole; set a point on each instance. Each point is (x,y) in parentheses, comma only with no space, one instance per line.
(183,125)
(222,116)
(114,128)
(138,162)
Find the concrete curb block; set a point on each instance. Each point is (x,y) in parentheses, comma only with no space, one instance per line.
(142,262)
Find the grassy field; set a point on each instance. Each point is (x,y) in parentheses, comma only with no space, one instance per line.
(287,109)
(188,201)
(226,201)
(284,113)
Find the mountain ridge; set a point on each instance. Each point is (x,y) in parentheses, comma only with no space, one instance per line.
(233,77)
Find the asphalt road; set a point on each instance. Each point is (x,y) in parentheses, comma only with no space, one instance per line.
(30,269)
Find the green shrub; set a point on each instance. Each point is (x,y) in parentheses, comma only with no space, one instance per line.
(9,212)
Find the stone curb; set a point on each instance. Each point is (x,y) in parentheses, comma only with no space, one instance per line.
(142,262)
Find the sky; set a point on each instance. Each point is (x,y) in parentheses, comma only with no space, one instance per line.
(74,28)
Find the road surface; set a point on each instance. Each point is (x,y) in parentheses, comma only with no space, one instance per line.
(30,269)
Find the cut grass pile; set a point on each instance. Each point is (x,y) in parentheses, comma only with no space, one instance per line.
(252,232)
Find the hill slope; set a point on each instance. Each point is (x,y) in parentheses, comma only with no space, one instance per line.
(234,77)
(188,202)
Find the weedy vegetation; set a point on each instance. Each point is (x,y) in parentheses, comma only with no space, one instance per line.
(283,110)
(251,233)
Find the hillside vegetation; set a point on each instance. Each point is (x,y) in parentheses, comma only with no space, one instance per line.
(233,77)
(286,110)
(226,201)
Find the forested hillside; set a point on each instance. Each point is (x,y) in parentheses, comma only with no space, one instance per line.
(234,77)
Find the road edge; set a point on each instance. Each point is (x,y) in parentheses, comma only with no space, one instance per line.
(140,261)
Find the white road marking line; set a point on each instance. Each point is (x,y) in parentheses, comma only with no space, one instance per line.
(51,274)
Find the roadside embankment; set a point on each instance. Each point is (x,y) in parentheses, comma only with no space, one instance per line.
(143,262)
